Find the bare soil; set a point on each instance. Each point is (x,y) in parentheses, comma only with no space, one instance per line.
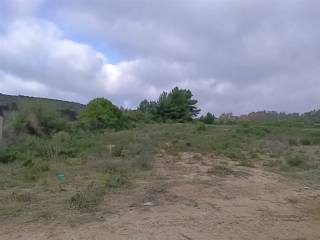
(191,197)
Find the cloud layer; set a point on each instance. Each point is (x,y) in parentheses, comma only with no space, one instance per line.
(237,56)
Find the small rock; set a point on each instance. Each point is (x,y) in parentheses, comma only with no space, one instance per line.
(148,204)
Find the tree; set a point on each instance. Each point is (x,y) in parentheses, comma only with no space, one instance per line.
(146,106)
(178,105)
(101,113)
(36,118)
(209,118)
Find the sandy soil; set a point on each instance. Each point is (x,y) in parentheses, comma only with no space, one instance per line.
(188,199)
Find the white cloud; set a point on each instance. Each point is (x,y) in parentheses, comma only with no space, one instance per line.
(234,55)
(13,84)
(37,50)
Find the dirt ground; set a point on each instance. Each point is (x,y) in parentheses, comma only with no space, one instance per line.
(193,197)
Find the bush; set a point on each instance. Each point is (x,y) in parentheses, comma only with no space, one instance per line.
(306,141)
(295,161)
(35,169)
(7,156)
(34,118)
(209,118)
(143,160)
(201,127)
(116,180)
(85,200)
(178,106)
(61,137)
(220,170)
(293,142)
(100,113)
(117,151)
(248,130)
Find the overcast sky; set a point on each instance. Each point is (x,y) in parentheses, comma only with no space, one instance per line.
(235,55)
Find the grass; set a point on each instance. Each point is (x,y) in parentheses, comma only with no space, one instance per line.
(221,170)
(116,180)
(115,159)
(87,199)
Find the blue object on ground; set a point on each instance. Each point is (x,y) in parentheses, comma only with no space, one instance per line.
(61,176)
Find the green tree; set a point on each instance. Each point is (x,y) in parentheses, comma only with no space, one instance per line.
(209,118)
(101,113)
(178,105)
(146,106)
(36,118)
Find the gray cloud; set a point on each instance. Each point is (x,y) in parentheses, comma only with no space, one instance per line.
(234,55)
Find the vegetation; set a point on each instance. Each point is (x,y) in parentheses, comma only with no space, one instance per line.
(100,113)
(12,101)
(177,106)
(103,148)
(209,118)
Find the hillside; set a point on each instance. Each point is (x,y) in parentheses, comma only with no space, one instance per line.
(158,170)
(9,100)
(179,181)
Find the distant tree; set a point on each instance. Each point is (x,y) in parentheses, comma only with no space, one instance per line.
(209,118)
(146,106)
(227,118)
(36,118)
(101,113)
(178,105)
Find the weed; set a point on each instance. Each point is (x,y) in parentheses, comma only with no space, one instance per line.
(116,180)
(255,131)
(87,199)
(295,161)
(246,163)
(25,196)
(35,169)
(201,127)
(293,142)
(220,170)
(305,141)
(83,200)
(273,163)
(117,151)
(7,156)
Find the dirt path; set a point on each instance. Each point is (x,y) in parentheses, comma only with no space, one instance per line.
(190,198)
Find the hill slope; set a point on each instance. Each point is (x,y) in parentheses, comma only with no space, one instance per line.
(8,100)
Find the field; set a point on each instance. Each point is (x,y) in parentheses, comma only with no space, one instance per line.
(166,181)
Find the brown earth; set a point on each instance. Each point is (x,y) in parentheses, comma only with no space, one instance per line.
(192,197)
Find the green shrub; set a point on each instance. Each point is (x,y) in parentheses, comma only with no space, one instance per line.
(209,118)
(116,179)
(220,170)
(293,142)
(306,141)
(273,163)
(7,156)
(234,154)
(248,130)
(87,199)
(32,174)
(117,151)
(246,163)
(143,160)
(61,137)
(45,149)
(34,169)
(295,161)
(37,118)
(100,113)
(201,127)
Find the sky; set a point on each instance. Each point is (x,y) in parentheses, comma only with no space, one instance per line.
(234,55)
